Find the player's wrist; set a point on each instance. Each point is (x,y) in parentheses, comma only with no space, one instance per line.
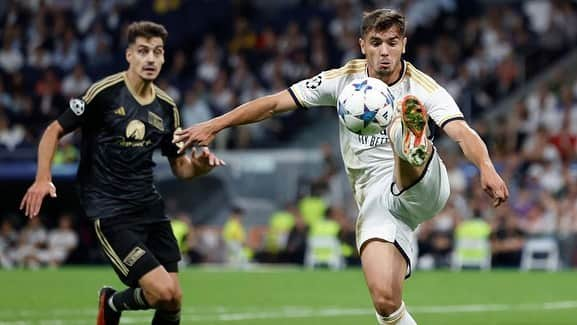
(218,124)
(43,178)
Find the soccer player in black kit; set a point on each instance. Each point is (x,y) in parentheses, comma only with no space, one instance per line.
(123,119)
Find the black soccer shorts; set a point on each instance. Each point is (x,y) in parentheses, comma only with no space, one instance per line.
(135,249)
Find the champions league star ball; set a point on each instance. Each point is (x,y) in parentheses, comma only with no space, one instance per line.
(366,106)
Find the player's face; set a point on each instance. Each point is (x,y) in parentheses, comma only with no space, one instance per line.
(383,50)
(145,57)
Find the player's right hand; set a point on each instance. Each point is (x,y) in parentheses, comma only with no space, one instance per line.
(200,134)
(33,198)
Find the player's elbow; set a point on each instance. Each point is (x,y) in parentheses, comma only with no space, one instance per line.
(54,129)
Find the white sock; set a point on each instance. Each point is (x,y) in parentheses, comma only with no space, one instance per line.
(399,317)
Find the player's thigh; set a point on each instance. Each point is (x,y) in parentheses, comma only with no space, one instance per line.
(124,246)
(162,243)
(424,199)
(375,221)
(158,282)
(384,268)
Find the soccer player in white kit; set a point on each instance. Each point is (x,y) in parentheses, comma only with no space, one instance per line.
(398,178)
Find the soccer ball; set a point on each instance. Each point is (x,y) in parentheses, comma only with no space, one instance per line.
(366,106)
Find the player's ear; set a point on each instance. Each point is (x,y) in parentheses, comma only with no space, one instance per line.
(404,44)
(128,54)
(362,45)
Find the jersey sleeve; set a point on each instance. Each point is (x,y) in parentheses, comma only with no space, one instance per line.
(79,110)
(168,148)
(442,108)
(316,91)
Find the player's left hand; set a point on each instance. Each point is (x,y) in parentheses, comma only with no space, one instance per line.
(205,161)
(494,186)
(200,134)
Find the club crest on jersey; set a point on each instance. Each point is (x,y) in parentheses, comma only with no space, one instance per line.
(77,106)
(135,130)
(314,82)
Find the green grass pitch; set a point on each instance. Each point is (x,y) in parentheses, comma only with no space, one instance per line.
(293,296)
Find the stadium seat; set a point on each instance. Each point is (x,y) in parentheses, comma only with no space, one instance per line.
(540,253)
(324,250)
(471,253)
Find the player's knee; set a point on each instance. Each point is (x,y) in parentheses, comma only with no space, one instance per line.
(176,299)
(166,294)
(386,301)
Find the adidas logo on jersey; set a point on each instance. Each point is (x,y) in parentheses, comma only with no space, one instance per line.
(120,111)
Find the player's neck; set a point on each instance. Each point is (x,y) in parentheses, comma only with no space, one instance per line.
(139,87)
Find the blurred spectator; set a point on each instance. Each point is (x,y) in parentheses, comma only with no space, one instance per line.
(11,59)
(61,242)
(435,238)
(541,219)
(280,224)
(234,235)
(195,108)
(296,242)
(76,82)
(186,237)
(33,239)
(66,53)
(243,37)
(49,98)
(10,137)
(40,58)
(96,46)
(507,240)
(8,244)
(313,206)
(67,152)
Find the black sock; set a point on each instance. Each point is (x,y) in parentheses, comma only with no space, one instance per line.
(166,317)
(129,299)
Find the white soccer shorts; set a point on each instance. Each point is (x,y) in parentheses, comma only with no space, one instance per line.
(392,215)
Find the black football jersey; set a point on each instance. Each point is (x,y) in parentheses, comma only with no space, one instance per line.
(119,136)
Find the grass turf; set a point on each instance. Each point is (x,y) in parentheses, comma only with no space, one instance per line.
(294,296)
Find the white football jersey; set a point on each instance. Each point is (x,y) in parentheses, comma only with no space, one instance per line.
(369,158)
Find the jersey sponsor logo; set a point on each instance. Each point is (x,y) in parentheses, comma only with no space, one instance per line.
(377,140)
(314,82)
(135,254)
(120,111)
(77,106)
(135,130)
(156,121)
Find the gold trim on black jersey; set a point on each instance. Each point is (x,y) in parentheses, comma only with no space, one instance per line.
(100,85)
(164,96)
(138,98)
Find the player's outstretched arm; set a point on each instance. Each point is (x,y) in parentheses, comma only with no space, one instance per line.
(253,111)
(476,151)
(43,185)
(184,167)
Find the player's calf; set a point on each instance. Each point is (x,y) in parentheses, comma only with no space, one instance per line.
(166,317)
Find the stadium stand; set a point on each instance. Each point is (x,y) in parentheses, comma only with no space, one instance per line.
(505,63)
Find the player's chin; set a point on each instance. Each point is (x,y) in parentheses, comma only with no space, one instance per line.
(149,75)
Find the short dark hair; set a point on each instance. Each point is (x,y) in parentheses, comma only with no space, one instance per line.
(146,29)
(382,19)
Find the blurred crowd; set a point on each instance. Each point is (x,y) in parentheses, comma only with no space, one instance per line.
(51,51)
